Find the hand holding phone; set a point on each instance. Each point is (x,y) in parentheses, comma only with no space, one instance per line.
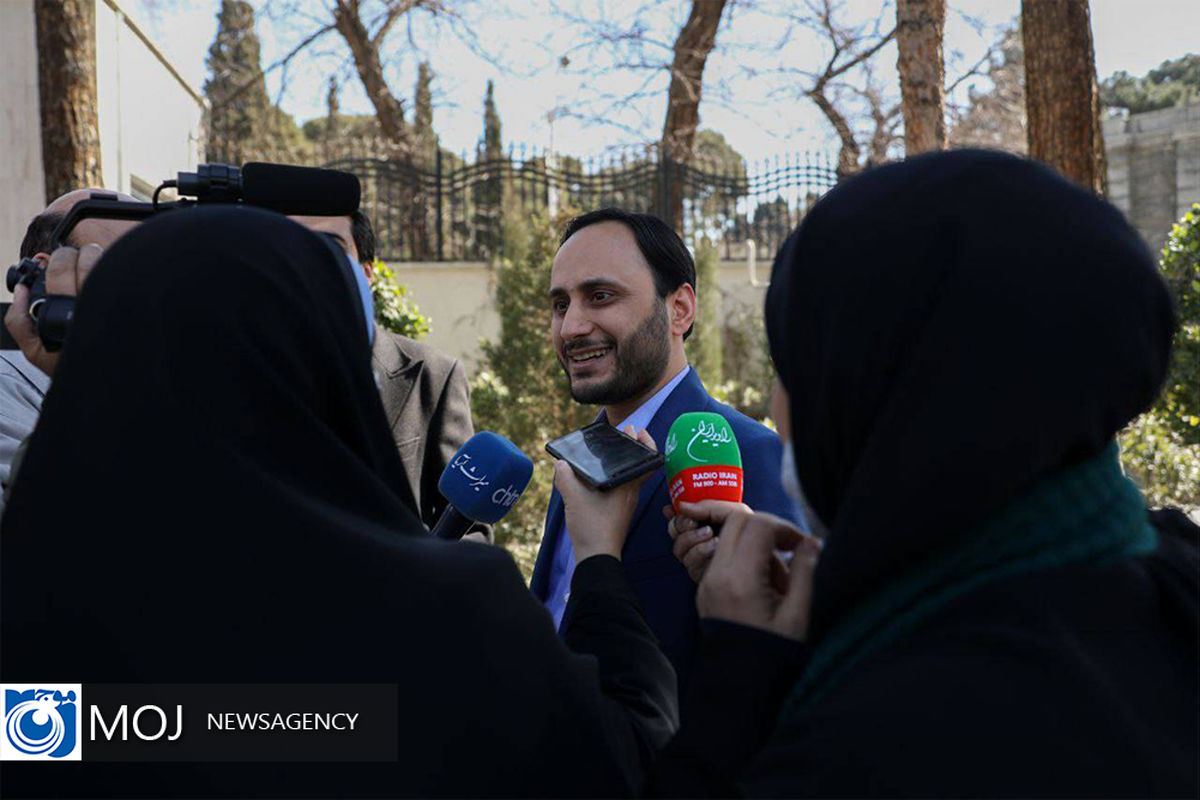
(598,521)
(604,457)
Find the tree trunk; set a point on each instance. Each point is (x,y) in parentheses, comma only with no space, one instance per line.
(410,202)
(66,46)
(1062,100)
(919,28)
(692,46)
(388,110)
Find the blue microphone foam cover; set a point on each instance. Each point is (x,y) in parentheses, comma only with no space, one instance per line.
(485,477)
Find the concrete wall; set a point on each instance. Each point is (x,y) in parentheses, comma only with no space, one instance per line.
(20,128)
(150,119)
(459,298)
(1154,167)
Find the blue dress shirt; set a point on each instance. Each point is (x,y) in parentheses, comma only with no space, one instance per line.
(563,565)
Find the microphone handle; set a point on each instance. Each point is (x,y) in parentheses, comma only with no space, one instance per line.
(452,524)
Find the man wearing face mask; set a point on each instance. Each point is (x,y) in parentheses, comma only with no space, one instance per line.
(424,391)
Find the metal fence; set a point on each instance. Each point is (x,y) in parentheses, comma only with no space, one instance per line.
(452,210)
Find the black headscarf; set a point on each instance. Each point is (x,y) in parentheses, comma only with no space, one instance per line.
(213,412)
(949,329)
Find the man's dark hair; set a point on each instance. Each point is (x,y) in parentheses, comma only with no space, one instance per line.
(39,236)
(671,264)
(364,236)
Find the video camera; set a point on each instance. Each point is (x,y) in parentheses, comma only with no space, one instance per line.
(276,187)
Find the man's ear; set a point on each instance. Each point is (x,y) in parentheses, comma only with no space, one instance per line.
(368,268)
(682,307)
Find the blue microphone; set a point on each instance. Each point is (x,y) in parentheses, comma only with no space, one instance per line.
(482,482)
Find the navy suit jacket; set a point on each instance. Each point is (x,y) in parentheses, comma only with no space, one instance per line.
(662,584)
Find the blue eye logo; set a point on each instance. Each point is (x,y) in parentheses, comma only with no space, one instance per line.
(40,723)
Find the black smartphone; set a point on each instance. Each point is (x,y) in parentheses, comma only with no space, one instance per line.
(604,457)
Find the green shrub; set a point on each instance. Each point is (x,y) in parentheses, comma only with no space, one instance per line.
(1161,449)
(395,310)
(1180,403)
(1154,456)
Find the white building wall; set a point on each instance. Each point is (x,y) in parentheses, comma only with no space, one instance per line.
(460,300)
(21,177)
(150,119)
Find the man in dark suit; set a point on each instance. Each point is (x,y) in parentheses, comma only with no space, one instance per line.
(424,392)
(623,300)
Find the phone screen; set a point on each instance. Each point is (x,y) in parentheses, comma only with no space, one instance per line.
(603,455)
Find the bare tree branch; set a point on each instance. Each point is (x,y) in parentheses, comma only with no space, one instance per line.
(392,13)
(280,63)
(974,71)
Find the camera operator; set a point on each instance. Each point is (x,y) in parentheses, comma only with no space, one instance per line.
(25,375)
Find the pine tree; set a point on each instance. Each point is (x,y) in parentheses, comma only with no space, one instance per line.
(489,190)
(66,48)
(920,25)
(236,88)
(243,125)
(493,147)
(332,107)
(1062,98)
(426,139)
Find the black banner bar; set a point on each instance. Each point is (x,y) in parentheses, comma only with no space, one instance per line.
(293,722)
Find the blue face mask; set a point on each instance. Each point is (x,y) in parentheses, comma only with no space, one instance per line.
(364,294)
(790,479)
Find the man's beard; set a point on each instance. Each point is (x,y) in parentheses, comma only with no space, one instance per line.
(638,364)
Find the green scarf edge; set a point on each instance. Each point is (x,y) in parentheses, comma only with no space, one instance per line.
(1088,512)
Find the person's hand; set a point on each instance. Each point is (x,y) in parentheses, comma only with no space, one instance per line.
(694,541)
(747,581)
(66,271)
(597,521)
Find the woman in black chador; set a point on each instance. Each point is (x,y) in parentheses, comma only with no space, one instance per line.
(960,337)
(207,500)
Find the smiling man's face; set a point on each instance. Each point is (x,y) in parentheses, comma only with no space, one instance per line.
(608,324)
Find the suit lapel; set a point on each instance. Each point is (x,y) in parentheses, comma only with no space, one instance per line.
(688,395)
(398,374)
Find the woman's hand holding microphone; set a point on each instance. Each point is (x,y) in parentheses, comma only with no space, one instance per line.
(735,554)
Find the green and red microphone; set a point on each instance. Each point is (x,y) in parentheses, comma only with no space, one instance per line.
(703,460)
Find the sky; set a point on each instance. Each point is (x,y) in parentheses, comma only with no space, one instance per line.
(589,107)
